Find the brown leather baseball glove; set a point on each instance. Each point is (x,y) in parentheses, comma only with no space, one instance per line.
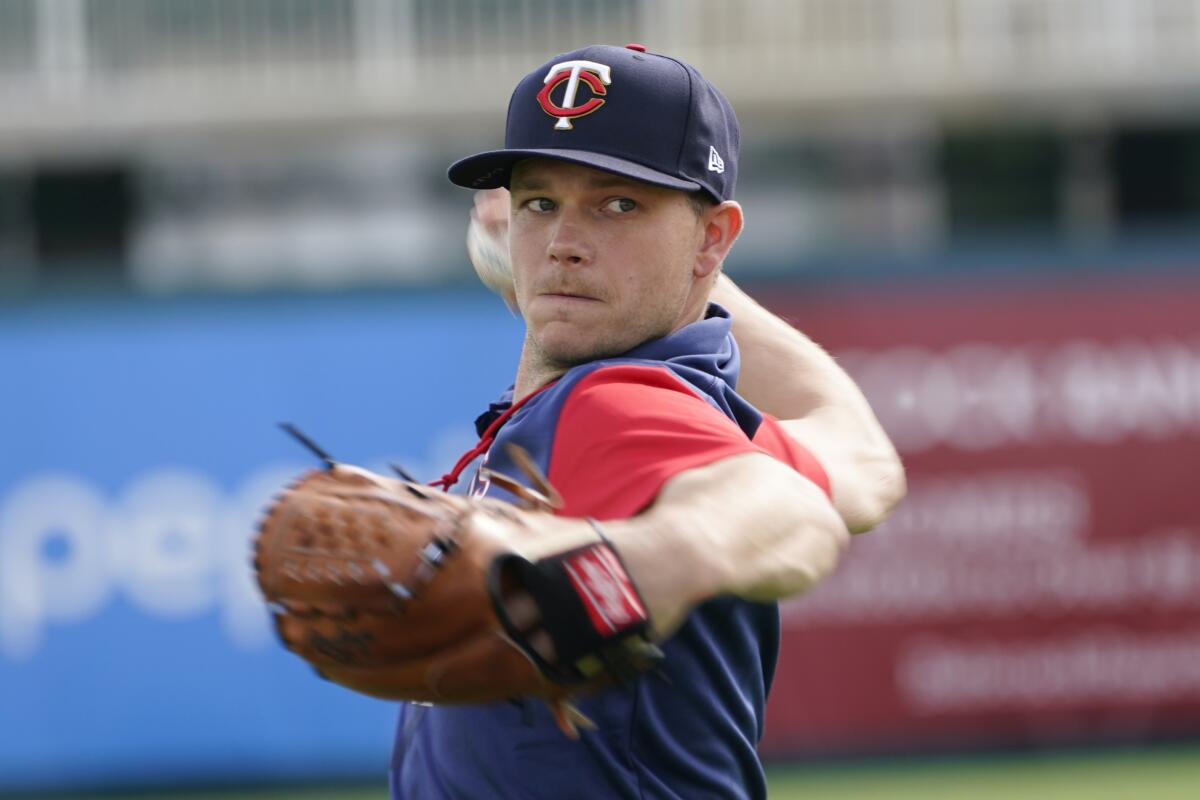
(399,591)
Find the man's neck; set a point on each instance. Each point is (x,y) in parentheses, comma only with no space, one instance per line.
(532,373)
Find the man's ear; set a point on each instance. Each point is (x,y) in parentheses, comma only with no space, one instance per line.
(721,225)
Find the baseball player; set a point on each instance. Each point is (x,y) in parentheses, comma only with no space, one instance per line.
(726,474)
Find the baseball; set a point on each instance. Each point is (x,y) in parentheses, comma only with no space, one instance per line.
(487,243)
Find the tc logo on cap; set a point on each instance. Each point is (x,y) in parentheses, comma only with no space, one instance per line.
(596,76)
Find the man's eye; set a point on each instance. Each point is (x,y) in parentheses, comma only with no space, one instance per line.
(622,205)
(540,204)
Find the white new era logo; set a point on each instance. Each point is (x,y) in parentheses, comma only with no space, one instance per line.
(715,162)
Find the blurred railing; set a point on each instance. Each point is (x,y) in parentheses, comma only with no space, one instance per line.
(120,63)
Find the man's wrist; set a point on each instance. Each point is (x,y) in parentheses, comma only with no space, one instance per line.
(663,554)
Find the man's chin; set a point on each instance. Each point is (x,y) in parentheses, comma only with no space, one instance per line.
(573,353)
(562,346)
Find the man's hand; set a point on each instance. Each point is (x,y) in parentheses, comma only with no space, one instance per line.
(487,243)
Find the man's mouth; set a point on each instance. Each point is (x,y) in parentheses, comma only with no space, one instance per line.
(568,294)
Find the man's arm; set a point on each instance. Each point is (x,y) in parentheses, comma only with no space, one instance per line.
(787,375)
(747,525)
(694,508)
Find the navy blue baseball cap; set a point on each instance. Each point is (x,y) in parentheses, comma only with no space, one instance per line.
(619,109)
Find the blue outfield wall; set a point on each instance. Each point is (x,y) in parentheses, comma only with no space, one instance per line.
(139,447)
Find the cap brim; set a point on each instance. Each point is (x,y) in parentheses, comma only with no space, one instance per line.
(492,169)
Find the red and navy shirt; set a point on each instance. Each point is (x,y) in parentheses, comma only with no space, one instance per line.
(609,434)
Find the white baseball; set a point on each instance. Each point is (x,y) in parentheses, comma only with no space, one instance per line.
(487,243)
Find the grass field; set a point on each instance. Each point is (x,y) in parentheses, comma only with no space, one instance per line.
(1146,775)
(1157,774)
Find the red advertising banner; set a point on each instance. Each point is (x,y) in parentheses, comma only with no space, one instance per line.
(1041,581)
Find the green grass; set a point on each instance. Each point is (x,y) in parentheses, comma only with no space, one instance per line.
(1169,774)
(1156,774)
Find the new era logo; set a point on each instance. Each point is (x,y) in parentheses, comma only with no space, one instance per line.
(715,162)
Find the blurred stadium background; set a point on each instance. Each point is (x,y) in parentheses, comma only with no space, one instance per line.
(219,214)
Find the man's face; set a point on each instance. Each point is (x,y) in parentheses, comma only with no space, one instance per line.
(601,263)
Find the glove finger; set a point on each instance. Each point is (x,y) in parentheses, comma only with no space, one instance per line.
(484,669)
(367,640)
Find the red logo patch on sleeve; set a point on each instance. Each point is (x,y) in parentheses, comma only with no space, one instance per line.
(604,587)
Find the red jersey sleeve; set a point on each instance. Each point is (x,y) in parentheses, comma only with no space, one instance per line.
(625,430)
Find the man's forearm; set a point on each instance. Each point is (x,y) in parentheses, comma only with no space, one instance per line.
(787,375)
(747,525)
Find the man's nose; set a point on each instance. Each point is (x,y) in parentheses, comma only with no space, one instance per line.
(570,244)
